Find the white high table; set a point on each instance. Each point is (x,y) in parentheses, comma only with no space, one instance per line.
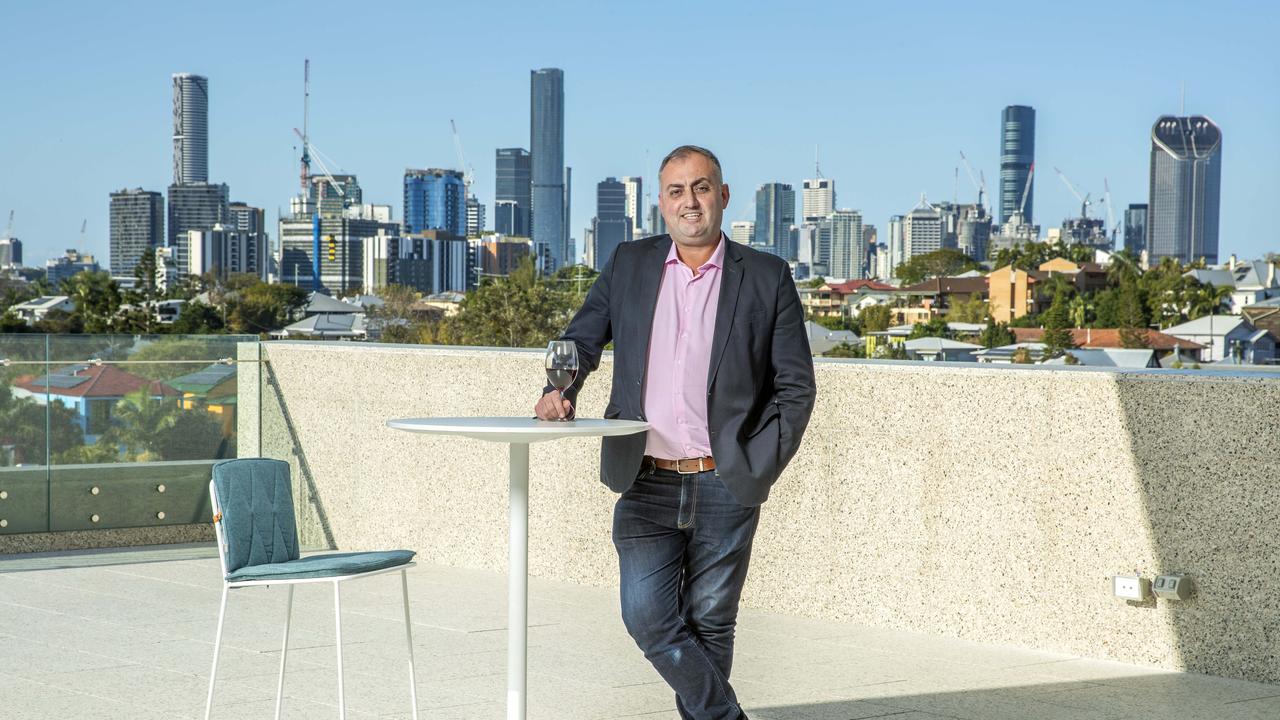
(518,433)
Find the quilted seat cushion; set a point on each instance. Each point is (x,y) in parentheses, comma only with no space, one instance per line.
(256,501)
(322,566)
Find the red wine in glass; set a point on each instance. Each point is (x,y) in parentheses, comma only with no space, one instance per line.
(561,364)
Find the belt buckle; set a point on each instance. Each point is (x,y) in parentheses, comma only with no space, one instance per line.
(695,471)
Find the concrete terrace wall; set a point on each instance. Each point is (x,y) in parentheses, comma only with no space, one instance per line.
(986,503)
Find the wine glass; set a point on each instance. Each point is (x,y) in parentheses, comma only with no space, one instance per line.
(562,364)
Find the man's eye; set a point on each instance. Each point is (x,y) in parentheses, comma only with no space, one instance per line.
(703,188)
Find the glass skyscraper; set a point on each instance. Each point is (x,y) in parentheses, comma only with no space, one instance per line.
(137,223)
(512,196)
(194,206)
(190,129)
(1186,180)
(435,199)
(1017,154)
(775,214)
(547,171)
(1135,228)
(611,227)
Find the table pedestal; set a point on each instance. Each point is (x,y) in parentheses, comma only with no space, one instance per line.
(518,583)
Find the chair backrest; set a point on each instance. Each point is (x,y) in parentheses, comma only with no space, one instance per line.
(254,499)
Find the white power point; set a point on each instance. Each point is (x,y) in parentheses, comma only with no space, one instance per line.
(1131,587)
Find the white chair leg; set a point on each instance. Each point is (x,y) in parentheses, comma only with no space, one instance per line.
(408,636)
(217,645)
(337,621)
(284,651)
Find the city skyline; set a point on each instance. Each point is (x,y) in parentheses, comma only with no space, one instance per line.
(883,156)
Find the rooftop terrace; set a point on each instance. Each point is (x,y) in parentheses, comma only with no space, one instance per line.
(129,634)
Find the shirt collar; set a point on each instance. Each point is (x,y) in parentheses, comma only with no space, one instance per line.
(715,261)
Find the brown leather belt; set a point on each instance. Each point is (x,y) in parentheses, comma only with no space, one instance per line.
(684,466)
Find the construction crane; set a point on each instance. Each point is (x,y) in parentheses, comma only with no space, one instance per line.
(1084,201)
(1026,192)
(83,224)
(1111,216)
(981,187)
(468,172)
(314,155)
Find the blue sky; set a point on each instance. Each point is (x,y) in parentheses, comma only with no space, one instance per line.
(891,92)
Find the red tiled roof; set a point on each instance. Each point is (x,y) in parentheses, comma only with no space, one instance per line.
(1108,338)
(103,381)
(853,286)
(943,285)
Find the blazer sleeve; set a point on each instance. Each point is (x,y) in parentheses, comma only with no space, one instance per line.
(793,381)
(591,329)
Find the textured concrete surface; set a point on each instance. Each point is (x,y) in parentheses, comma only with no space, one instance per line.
(984,503)
(129,634)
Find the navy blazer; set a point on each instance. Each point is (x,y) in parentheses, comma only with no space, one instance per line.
(760,385)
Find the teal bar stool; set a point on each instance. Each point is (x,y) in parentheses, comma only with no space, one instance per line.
(258,545)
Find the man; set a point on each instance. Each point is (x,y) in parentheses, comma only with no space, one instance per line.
(710,349)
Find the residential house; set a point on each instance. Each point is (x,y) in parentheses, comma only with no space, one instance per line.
(337,326)
(1014,293)
(1229,337)
(212,388)
(33,311)
(940,349)
(1250,282)
(1004,354)
(939,295)
(830,299)
(822,340)
(1264,315)
(92,391)
(1132,358)
(1162,344)
(1087,277)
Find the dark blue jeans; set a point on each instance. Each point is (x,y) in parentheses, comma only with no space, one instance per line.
(683,547)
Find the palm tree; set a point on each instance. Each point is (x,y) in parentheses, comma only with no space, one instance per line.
(1080,309)
(1207,300)
(1123,266)
(138,419)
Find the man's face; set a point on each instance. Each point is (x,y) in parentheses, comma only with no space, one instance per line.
(693,200)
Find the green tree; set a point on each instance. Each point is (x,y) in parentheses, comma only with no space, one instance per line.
(192,435)
(936,327)
(845,350)
(875,318)
(139,421)
(97,299)
(261,308)
(1106,308)
(22,427)
(521,310)
(995,334)
(1131,316)
(197,318)
(1207,300)
(973,310)
(1122,266)
(939,263)
(1057,335)
(1080,310)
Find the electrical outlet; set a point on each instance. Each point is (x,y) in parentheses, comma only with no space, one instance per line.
(1131,587)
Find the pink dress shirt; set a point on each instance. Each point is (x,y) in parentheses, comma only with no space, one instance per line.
(675,389)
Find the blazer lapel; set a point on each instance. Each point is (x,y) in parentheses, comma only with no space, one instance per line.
(649,279)
(730,284)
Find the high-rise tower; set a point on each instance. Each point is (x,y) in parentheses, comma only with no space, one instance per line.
(547,171)
(1185,185)
(1017,154)
(190,129)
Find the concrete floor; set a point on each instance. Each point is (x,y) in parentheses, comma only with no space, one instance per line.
(129,634)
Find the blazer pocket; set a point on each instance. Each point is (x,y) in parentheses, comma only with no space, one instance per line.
(770,415)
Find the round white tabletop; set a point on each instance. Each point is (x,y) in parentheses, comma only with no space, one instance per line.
(517,429)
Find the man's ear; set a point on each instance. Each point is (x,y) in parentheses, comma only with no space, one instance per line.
(724,196)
